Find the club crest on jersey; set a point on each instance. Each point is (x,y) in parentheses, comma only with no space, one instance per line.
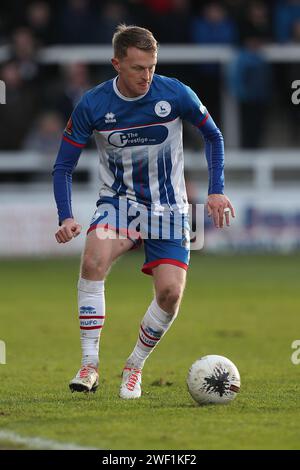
(110,118)
(162,108)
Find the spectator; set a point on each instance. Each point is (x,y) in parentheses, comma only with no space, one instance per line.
(159,7)
(256,23)
(169,20)
(24,53)
(139,11)
(236,9)
(112,13)
(250,83)
(76,23)
(212,26)
(45,136)
(40,22)
(291,72)
(2,30)
(286,14)
(12,16)
(76,80)
(20,108)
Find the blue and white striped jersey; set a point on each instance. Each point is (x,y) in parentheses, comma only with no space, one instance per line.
(140,142)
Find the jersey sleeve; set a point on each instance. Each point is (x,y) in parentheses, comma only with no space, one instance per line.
(66,161)
(193,111)
(80,126)
(75,136)
(191,108)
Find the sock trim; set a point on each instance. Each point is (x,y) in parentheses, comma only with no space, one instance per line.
(91,286)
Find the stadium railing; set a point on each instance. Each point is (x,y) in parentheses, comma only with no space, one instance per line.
(259,170)
(173,54)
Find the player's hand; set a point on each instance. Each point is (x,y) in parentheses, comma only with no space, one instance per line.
(69,229)
(219,205)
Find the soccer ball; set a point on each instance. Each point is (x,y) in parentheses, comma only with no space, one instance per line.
(213,379)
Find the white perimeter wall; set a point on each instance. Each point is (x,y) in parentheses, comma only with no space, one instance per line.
(268,212)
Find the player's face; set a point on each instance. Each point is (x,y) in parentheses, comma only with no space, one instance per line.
(135,71)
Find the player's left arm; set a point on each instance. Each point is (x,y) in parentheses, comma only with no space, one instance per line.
(218,204)
(195,112)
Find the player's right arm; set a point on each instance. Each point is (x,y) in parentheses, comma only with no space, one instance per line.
(76,134)
(69,229)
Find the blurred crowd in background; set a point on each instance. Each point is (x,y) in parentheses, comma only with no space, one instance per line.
(40,98)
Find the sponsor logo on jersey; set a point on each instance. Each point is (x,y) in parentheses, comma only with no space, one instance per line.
(110,118)
(69,127)
(162,108)
(152,135)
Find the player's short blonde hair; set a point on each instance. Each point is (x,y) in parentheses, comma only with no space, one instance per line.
(132,36)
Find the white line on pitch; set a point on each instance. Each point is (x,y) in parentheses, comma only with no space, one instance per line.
(38,442)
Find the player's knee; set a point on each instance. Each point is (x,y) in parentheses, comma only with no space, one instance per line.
(94,267)
(169,296)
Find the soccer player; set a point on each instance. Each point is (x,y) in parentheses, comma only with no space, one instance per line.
(136,119)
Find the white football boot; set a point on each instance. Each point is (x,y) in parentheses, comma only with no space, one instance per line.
(131,383)
(86,379)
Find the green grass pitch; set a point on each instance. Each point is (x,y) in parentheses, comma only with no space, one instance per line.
(242,307)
